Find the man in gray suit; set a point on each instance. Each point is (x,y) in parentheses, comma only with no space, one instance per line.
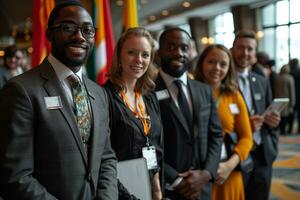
(47,150)
(192,132)
(258,96)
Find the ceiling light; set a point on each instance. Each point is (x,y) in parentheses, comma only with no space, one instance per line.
(165,12)
(144,1)
(186,4)
(120,2)
(152,18)
(260,34)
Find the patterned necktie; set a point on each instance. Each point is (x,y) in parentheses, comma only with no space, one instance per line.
(183,103)
(82,112)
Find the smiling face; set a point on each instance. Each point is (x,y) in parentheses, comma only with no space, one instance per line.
(243,52)
(71,49)
(135,57)
(215,66)
(174,52)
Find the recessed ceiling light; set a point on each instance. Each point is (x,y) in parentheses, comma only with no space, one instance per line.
(120,2)
(186,4)
(165,12)
(152,18)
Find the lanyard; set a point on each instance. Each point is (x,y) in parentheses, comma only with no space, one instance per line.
(139,112)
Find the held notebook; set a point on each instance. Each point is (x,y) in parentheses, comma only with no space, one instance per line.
(134,175)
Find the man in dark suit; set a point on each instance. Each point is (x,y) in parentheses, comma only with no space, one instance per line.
(47,150)
(192,133)
(257,94)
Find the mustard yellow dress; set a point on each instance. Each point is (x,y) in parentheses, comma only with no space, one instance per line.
(234,120)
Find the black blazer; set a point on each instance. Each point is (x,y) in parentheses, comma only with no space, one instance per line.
(127,134)
(262,97)
(184,150)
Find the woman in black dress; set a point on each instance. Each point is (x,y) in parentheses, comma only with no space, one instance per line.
(134,110)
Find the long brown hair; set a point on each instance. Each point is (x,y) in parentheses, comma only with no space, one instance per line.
(229,84)
(146,82)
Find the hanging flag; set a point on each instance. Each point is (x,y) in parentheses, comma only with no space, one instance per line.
(104,42)
(130,15)
(40,45)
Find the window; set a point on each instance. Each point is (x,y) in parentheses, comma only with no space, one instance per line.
(222,28)
(281,26)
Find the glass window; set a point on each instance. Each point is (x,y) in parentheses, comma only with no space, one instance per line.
(295,13)
(282,12)
(222,28)
(282,47)
(268,15)
(295,41)
(268,42)
(282,39)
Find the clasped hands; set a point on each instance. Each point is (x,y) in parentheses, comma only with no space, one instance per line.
(192,183)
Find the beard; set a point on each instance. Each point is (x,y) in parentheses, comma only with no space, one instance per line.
(175,71)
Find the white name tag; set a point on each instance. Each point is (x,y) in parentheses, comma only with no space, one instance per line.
(53,102)
(149,154)
(162,94)
(234,109)
(257,96)
(223,152)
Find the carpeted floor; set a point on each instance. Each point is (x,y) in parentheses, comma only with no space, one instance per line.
(286,173)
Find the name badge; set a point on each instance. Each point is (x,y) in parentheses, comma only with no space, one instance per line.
(234,109)
(257,96)
(149,154)
(53,103)
(223,152)
(162,94)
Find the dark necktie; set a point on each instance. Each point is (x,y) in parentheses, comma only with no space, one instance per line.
(183,103)
(82,112)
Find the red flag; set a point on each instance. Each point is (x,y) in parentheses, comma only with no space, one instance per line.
(41,47)
(104,42)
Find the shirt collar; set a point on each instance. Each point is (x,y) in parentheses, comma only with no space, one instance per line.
(244,74)
(170,79)
(61,70)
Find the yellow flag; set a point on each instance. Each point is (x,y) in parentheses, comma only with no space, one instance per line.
(130,16)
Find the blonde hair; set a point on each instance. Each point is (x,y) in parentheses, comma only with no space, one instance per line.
(146,82)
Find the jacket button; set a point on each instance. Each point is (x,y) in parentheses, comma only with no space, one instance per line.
(89,177)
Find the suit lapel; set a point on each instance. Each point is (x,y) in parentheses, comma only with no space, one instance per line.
(95,111)
(252,81)
(54,88)
(169,103)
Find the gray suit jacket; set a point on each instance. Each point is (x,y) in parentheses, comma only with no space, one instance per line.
(184,150)
(41,153)
(262,97)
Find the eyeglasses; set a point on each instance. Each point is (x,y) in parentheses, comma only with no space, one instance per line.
(87,30)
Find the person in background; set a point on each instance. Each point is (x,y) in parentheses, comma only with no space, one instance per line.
(257,95)
(192,131)
(25,64)
(295,72)
(285,88)
(54,122)
(134,110)
(11,68)
(215,67)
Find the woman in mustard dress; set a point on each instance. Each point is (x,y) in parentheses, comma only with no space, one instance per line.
(215,67)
